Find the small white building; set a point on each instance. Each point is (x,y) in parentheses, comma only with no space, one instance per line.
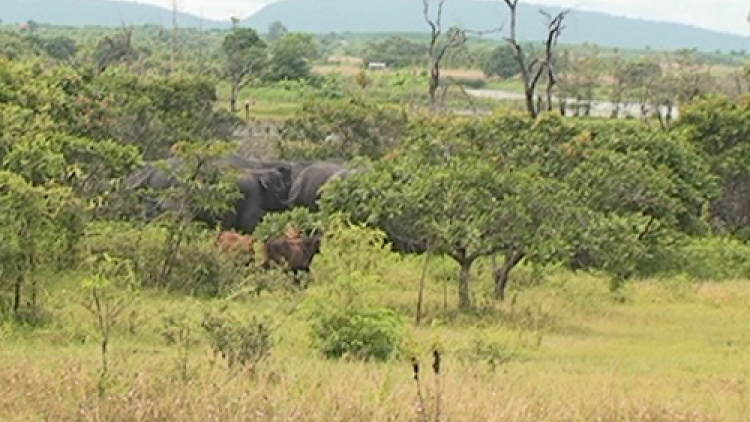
(377,65)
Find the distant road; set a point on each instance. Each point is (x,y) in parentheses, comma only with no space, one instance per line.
(598,108)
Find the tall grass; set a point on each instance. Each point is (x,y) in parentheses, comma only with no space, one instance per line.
(564,350)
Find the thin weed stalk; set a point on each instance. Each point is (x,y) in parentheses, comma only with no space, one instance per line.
(438,384)
(420,399)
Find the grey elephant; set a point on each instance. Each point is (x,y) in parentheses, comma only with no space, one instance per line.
(263,189)
(295,167)
(305,190)
(152,175)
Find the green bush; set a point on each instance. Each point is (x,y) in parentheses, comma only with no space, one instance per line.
(359,128)
(198,267)
(240,343)
(359,332)
(714,258)
(471,83)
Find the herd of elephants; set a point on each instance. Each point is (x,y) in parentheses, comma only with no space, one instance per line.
(267,186)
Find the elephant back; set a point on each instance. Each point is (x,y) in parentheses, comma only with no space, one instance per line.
(305,189)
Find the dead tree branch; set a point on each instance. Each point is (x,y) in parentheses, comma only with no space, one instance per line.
(435,56)
(532,72)
(454,38)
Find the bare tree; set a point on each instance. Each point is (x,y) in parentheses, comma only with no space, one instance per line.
(532,71)
(455,38)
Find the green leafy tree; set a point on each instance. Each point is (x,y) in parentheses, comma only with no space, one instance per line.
(245,55)
(343,130)
(61,47)
(31,219)
(201,190)
(291,56)
(500,62)
(451,196)
(718,127)
(276,31)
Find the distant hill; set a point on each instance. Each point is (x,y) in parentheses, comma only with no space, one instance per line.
(323,16)
(95,13)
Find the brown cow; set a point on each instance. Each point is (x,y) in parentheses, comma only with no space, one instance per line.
(293,252)
(237,245)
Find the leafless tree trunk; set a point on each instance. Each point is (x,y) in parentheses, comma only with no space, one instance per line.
(453,39)
(501,275)
(532,71)
(420,297)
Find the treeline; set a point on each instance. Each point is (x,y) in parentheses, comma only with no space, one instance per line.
(238,56)
(624,197)
(629,198)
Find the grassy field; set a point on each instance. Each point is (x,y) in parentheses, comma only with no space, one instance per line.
(563,350)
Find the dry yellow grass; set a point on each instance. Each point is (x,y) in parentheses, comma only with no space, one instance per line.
(346,70)
(673,351)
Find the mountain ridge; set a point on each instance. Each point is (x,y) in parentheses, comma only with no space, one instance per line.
(581,25)
(107,13)
(405,16)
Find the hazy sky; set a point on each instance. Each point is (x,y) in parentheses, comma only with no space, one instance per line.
(727,15)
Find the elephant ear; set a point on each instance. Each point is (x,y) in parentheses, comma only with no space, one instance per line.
(271,181)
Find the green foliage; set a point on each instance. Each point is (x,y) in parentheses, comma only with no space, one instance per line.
(14,45)
(344,130)
(276,31)
(291,56)
(277,223)
(157,112)
(38,226)
(61,47)
(446,192)
(500,62)
(201,186)
(197,266)
(719,129)
(149,113)
(708,259)
(361,333)
(245,53)
(242,343)
(396,51)
(109,286)
(533,197)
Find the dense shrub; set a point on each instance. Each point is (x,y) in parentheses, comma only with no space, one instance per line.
(240,343)
(714,258)
(359,332)
(343,130)
(198,267)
